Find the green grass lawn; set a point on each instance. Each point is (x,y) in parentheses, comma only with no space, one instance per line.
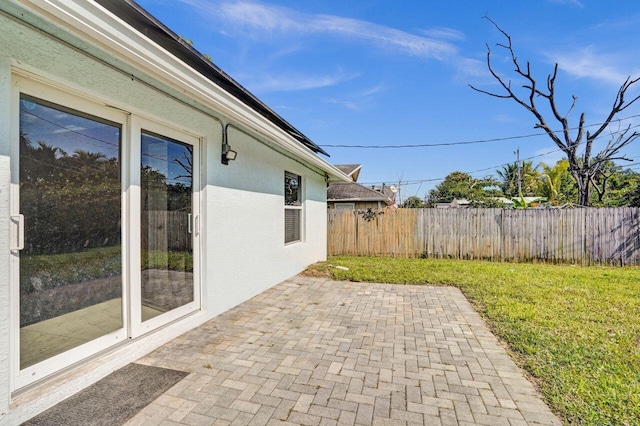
(575,330)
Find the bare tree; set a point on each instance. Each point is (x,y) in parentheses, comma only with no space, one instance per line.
(583,165)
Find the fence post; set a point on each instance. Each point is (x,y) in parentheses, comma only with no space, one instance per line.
(585,236)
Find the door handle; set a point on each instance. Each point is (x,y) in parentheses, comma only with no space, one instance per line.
(190,223)
(17,232)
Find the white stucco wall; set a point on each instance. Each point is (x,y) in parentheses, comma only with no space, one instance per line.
(246,239)
(243,250)
(5,90)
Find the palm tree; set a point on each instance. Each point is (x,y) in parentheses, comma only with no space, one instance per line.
(552,180)
(509,179)
(529,177)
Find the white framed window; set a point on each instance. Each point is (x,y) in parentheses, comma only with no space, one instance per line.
(292,207)
(345,206)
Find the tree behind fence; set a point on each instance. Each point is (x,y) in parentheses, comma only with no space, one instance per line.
(606,236)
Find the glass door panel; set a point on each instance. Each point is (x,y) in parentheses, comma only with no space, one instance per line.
(166,240)
(70,197)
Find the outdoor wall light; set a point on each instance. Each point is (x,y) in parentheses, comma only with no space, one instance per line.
(228,154)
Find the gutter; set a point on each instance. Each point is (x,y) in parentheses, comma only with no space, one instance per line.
(387,201)
(145,23)
(91,22)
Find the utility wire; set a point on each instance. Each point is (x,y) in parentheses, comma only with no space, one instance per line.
(415,182)
(507,138)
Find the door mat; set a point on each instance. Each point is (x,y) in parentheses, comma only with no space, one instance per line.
(113,400)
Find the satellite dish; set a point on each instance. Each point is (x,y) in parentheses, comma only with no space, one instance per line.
(393,188)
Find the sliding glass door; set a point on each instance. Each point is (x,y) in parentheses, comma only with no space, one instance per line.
(104,229)
(68,235)
(167,223)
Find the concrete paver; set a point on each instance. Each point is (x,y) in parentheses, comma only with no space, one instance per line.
(313,351)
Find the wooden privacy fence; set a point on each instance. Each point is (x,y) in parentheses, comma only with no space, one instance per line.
(166,230)
(607,236)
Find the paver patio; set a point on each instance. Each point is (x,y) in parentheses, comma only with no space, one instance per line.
(312,351)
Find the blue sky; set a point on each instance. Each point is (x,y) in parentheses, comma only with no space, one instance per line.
(383,72)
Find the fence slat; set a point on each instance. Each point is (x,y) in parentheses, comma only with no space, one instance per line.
(604,236)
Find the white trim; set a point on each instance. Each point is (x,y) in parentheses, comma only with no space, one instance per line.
(21,378)
(302,207)
(134,221)
(342,200)
(344,206)
(47,80)
(131,126)
(139,328)
(14,259)
(90,21)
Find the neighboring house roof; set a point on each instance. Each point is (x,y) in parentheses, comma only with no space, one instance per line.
(388,190)
(456,203)
(152,28)
(343,192)
(464,203)
(460,202)
(351,170)
(528,200)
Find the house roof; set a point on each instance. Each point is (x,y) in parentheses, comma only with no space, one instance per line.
(388,190)
(138,18)
(351,170)
(509,201)
(351,191)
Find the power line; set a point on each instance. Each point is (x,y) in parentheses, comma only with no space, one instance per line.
(415,182)
(433,144)
(419,181)
(507,138)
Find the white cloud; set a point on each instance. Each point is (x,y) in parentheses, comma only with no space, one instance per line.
(444,33)
(503,118)
(471,67)
(292,81)
(627,21)
(343,102)
(259,21)
(587,63)
(358,101)
(384,36)
(372,91)
(576,3)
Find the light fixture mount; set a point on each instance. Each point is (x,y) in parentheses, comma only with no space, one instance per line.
(227,154)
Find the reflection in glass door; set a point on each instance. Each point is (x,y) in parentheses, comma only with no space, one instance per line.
(167,184)
(70,198)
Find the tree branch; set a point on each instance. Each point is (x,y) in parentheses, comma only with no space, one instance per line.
(582,167)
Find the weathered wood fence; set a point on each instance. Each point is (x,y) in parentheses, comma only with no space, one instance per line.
(606,236)
(166,230)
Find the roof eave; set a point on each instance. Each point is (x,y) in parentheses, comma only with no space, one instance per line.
(102,28)
(159,33)
(351,200)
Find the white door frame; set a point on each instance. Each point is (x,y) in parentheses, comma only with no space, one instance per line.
(31,374)
(139,328)
(131,126)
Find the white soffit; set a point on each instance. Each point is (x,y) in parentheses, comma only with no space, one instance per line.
(90,21)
